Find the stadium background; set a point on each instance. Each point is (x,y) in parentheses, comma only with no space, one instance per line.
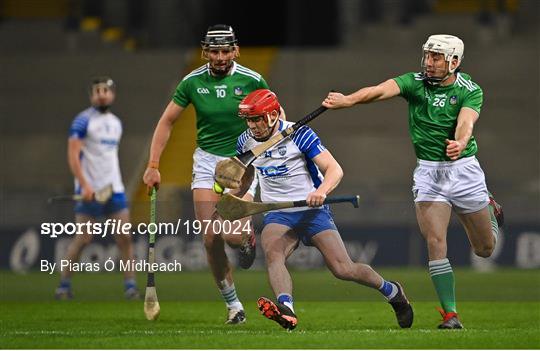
(50,48)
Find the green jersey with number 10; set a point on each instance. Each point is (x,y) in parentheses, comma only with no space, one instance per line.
(433,113)
(216,101)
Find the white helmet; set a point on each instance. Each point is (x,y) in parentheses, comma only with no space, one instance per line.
(448,45)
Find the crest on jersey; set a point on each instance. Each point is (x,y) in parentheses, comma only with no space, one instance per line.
(282,150)
(238,91)
(453,100)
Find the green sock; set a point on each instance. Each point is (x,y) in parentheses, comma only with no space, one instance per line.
(443,279)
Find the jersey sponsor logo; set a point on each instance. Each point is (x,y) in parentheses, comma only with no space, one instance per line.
(110,142)
(282,150)
(203,91)
(453,100)
(238,91)
(273,171)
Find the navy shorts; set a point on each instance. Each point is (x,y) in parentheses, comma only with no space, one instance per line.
(304,223)
(116,203)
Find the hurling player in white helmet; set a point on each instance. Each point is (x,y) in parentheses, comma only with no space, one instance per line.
(444,105)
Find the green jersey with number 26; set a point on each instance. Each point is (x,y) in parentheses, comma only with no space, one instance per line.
(216,101)
(433,113)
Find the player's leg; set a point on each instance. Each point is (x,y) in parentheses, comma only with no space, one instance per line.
(73,253)
(477,210)
(481,231)
(248,245)
(205,201)
(246,242)
(278,242)
(331,246)
(125,248)
(433,218)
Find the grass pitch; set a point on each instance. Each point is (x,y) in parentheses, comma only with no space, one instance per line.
(499,310)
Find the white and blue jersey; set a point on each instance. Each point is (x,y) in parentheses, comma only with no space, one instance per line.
(286,171)
(100,133)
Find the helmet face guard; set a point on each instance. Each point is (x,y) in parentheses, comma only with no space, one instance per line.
(448,45)
(219,36)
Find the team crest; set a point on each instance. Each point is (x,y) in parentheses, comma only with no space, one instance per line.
(238,91)
(453,100)
(282,150)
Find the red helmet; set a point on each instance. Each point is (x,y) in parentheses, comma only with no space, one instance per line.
(260,102)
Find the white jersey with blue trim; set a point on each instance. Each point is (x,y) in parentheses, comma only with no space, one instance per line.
(286,171)
(100,134)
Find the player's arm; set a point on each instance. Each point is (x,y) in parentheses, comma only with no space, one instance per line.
(464,129)
(159,141)
(332,172)
(74,160)
(383,91)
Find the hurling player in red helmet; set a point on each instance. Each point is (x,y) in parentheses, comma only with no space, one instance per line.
(301,168)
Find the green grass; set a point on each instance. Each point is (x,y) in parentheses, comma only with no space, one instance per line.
(499,310)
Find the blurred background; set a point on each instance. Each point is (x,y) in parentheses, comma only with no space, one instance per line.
(49,49)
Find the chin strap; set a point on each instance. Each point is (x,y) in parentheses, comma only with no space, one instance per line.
(435,80)
(270,132)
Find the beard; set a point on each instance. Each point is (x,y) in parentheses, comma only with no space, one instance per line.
(103,108)
(221,71)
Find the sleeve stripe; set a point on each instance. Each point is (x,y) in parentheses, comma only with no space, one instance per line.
(306,138)
(312,141)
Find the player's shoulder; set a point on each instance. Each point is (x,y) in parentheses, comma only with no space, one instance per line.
(464,81)
(410,79)
(302,134)
(196,73)
(85,115)
(247,72)
(244,137)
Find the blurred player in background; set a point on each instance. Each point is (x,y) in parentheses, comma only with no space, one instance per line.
(93,142)
(291,171)
(444,104)
(215,90)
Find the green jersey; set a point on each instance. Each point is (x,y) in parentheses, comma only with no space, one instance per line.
(216,101)
(433,113)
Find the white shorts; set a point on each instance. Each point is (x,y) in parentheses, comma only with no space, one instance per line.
(461,184)
(204,165)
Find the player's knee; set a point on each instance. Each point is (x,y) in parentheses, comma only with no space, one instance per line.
(273,257)
(484,250)
(212,242)
(434,241)
(342,271)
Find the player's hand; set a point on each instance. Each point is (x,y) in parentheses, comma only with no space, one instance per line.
(152,178)
(315,199)
(454,148)
(87,193)
(336,100)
